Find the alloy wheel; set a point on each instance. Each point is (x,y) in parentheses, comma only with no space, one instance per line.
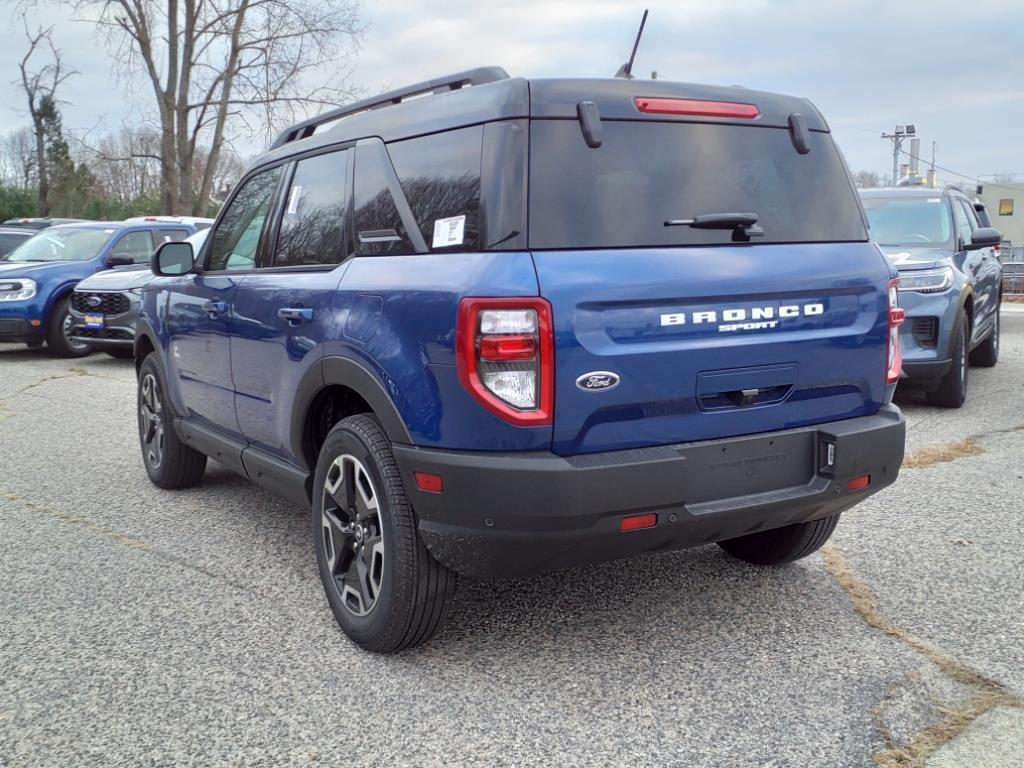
(151,421)
(66,328)
(353,536)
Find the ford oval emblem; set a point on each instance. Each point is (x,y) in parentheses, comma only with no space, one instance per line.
(598,381)
(94,301)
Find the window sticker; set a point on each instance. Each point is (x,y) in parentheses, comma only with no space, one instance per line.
(293,200)
(449,232)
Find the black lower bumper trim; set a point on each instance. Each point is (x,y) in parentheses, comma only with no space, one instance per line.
(926,369)
(19,331)
(514,514)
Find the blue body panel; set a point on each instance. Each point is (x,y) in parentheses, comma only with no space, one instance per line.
(241,372)
(608,307)
(57,279)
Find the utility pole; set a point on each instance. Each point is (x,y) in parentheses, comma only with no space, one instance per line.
(931,171)
(897,137)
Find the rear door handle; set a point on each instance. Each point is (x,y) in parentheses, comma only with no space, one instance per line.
(295,315)
(215,308)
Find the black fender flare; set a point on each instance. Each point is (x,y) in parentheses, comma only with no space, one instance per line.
(143,330)
(330,371)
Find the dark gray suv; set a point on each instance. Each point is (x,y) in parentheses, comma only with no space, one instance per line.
(949,285)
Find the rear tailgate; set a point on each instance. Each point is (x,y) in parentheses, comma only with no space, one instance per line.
(708,332)
(712,342)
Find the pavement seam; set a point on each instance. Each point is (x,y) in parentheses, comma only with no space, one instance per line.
(987,694)
(119,538)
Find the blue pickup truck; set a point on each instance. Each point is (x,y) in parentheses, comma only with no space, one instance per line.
(38,277)
(489,326)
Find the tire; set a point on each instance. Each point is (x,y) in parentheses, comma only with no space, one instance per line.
(121,354)
(782,545)
(952,389)
(986,354)
(169,462)
(386,591)
(57,335)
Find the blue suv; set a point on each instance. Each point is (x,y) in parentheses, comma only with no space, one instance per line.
(490,326)
(37,278)
(950,284)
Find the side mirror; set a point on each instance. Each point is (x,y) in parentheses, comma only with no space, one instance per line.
(984,237)
(171,259)
(119,260)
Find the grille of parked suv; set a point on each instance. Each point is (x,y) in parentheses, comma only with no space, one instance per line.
(117,334)
(925,330)
(109,303)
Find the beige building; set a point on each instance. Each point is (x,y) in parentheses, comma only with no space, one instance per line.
(1005,204)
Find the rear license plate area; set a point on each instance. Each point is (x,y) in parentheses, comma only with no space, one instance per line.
(733,468)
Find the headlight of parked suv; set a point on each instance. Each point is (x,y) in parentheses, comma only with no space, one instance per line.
(17,290)
(927,280)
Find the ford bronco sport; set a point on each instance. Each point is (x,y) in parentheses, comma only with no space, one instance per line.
(490,326)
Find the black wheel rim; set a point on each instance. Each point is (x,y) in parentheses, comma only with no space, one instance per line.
(151,421)
(353,537)
(66,329)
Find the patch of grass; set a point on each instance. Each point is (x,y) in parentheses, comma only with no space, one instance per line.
(926,457)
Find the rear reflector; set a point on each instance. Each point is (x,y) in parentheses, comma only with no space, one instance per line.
(426,481)
(508,348)
(638,522)
(859,483)
(697,107)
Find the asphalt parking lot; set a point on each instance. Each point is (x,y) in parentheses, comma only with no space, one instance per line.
(140,627)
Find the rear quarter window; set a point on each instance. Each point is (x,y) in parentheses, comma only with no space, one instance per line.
(440,176)
(646,173)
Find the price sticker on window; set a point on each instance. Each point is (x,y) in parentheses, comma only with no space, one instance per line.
(449,232)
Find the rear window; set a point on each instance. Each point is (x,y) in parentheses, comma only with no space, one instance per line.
(646,173)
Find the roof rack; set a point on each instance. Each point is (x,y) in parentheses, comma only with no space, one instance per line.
(306,128)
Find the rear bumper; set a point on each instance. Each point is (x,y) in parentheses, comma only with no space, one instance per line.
(514,514)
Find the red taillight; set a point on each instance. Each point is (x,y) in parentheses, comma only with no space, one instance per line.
(497,348)
(859,483)
(894,357)
(638,522)
(504,352)
(697,107)
(427,481)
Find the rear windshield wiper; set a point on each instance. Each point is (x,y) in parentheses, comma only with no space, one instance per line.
(743,225)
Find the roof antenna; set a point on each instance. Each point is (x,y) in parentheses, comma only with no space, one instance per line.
(626,70)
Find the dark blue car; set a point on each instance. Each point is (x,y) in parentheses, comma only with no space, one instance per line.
(490,326)
(37,278)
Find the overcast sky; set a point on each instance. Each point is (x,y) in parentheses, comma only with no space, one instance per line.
(949,67)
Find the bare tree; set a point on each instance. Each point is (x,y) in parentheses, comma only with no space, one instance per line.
(867,179)
(18,159)
(40,86)
(211,62)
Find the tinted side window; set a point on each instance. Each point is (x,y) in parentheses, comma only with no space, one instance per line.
(378,225)
(171,235)
(138,246)
(963,224)
(440,176)
(9,242)
(237,236)
(313,225)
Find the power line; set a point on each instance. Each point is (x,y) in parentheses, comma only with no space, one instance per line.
(975,179)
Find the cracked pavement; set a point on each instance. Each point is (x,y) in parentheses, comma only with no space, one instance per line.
(142,627)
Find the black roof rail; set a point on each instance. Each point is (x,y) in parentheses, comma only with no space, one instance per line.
(306,128)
